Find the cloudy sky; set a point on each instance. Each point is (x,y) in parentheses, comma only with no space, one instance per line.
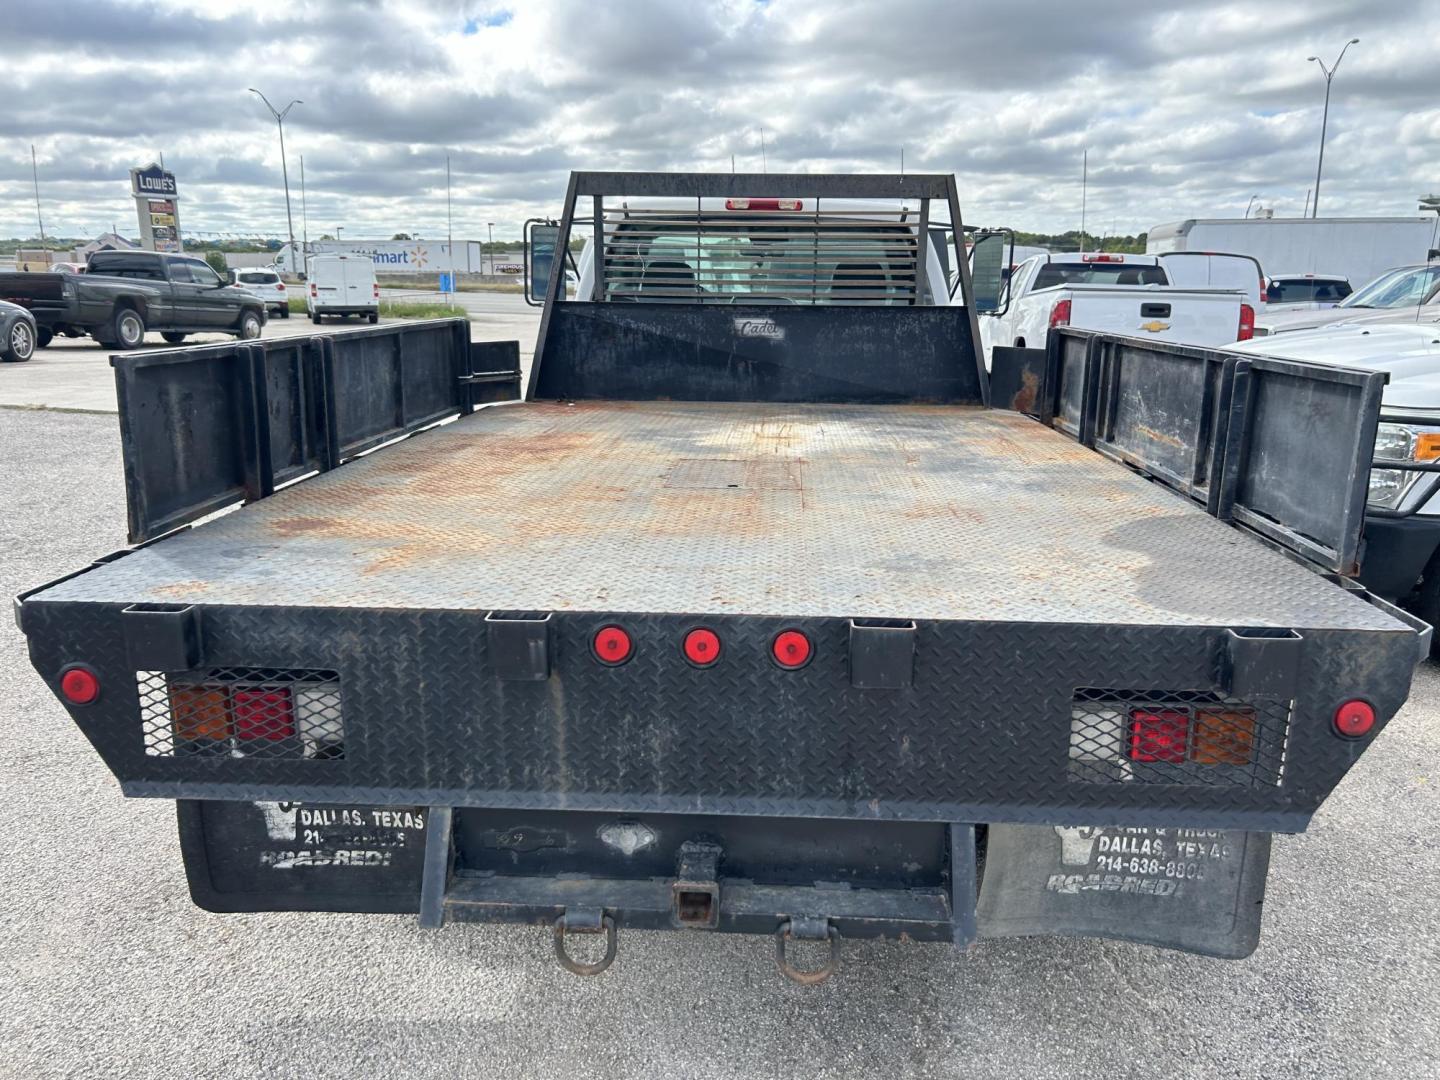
(1187,110)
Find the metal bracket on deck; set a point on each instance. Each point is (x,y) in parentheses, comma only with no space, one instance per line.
(1261,663)
(162,637)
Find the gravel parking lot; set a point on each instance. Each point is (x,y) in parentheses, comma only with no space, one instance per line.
(107,970)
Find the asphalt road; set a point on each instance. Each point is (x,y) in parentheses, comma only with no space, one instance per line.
(107,970)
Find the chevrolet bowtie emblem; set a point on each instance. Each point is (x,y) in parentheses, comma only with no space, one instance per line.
(1155,327)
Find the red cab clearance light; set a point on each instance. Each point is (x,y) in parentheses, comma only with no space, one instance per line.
(1060,314)
(80,686)
(1355,719)
(1102,258)
(764,204)
(612,645)
(791,649)
(1247,323)
(702,647)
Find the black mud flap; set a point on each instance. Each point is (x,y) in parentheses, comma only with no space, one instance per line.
(267,856)
(1199,890)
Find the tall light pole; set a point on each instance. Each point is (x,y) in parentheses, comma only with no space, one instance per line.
(491,226)
(284,169)
(1250,204)
(1329,74)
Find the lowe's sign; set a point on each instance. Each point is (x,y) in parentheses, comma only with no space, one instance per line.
(152,180)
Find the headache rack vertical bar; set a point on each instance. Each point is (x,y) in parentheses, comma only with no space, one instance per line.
(922,253)
(967,287)
(597,260)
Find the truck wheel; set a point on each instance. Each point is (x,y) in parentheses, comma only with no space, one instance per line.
(315,317)
(284,312)
(19,344)
(173,336)
(250,326)
(374,317)
(46,336)
(127,331)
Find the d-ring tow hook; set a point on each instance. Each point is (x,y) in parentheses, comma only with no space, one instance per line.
(807,930)
(585,922)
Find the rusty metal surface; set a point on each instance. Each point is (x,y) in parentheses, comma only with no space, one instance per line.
(803,510)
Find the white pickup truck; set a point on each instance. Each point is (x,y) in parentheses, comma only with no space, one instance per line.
(1123,294)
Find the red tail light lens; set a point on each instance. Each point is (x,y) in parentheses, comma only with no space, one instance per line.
(1060,313)
(702,647)
(1355,719)
(1102,258)
(80,686)
(264,714)
(1158,734)
(1247,323)
(791,649)
(375,291)
(612,645)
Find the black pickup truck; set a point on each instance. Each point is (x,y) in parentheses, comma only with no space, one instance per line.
(122,294)
(763,608)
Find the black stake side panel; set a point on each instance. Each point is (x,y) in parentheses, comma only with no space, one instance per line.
(204,427)
(981,735)
(759,353)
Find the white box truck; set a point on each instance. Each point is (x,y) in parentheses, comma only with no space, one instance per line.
(1360,249)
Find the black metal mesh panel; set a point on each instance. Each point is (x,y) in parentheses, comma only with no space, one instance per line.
(1176,737)
(241,713)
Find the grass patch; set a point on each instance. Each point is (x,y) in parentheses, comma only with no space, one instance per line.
(418,309)
(395,309)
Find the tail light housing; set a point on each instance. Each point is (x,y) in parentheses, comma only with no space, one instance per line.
(1060,314)
(314,292)
(1159,735)
(79,685)
(1102,258)
(1247,323)
(375,291)
(1355,719)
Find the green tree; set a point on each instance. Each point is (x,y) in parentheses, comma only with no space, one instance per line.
(401,236)
(217,262)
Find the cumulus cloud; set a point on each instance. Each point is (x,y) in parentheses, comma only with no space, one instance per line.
(1186,108)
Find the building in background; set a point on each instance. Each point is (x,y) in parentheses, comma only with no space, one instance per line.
(1360,249)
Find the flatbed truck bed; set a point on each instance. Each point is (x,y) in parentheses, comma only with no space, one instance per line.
(794,510)
(763,611)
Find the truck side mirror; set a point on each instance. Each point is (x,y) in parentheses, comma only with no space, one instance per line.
(541,242)
(990,259)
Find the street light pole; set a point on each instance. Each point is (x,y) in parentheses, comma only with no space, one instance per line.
(1329,74)
(284,168)
(1250,204)
(490,225)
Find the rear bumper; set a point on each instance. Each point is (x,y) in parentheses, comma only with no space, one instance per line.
(992,722)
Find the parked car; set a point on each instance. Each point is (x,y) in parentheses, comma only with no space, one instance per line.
(1117,293)
(269,286)
(122,294)
(18,333)
(1401,559)
(1394,290)
(340,285)
(1322,290)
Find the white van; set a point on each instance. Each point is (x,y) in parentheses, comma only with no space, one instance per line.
(342,285)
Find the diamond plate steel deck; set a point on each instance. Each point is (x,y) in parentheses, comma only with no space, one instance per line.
(907,512)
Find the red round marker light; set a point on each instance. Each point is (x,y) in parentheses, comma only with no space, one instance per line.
(791,649)
(80,686)
(1355,719)
(612,645)
(702,647)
